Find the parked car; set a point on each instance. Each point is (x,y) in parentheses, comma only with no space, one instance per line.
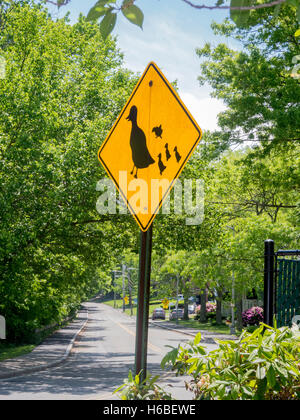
(158,313)
(173,314)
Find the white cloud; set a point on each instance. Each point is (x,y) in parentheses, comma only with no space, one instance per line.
(203,109)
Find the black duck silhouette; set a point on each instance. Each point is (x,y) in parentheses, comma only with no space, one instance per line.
(158,131)
(140,154)
(167,152)
(177,155)
(161,166)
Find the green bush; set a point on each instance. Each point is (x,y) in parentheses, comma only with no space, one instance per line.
(134,389)
(263,365)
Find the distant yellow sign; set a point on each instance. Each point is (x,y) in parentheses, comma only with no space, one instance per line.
(165,303)
(149,145)
(126,300)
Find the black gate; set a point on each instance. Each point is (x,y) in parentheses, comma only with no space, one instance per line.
(282,285)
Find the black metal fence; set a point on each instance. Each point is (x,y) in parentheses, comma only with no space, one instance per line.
(281,285)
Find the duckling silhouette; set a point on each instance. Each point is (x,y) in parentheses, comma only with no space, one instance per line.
(140,154)
(167,152)
(158,131)
(161,166)
(177,155)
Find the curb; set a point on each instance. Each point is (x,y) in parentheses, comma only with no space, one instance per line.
(48,365)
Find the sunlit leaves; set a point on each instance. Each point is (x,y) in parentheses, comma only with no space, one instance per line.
(258,366)
(133,14)
(108,10)
(240,17)
(98,10)
(108,23)
(70,88)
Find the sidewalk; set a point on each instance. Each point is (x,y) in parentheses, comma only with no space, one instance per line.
(53,351)
(206,336)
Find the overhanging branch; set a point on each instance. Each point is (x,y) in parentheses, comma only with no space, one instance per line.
(253,7)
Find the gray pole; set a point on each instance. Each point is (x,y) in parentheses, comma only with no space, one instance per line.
(114,273)
(130,291)
(232,326)
(142,314)
(123,284)
(177,286)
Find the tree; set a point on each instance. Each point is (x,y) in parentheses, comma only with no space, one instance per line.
(63,89)
(255,82)
(175,266)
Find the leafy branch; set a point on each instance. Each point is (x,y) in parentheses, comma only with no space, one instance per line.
(108,9)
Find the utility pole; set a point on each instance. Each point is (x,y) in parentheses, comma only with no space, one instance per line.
(130,288)
(177,287)
(123,284)
(114,284)
(232,326)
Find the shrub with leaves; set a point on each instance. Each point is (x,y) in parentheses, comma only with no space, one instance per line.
(263,365)
(210,310)
(210,307)
(253,316)
(134,389)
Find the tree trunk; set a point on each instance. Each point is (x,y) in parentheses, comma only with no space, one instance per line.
(219,312)
(186,308)
(219,307)
(203,299)
(239,310)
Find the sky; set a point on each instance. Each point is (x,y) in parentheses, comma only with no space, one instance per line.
(171,33)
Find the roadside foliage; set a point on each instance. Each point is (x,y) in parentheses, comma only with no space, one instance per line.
(264,365)
(63,89)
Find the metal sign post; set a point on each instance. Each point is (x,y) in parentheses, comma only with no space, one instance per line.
(142,314)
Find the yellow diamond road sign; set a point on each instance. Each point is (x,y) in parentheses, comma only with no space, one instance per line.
(149,145)
(165,303)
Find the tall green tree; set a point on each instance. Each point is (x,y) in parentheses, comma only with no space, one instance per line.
(63,89)
(254,82)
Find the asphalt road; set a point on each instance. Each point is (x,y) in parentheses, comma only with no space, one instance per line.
(99,362)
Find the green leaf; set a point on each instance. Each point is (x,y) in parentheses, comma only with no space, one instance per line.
(169,357)
(98,10)
(240,17)
(261,389)
(107,24)
(134,15)
(260,372)
(197,339)
(271,376)
(298,13)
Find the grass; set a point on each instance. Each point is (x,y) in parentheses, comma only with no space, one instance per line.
(211,326)
(9,351)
